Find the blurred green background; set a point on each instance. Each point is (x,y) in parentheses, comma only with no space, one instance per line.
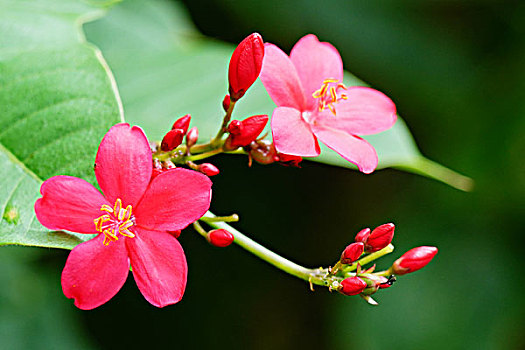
(456,70)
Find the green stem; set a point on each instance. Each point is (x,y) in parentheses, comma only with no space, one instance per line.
(216,141)
(231,218)
(369,258)
(203,155)
(314,276)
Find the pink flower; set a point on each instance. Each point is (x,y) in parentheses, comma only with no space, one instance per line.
(132,219)
(312,103)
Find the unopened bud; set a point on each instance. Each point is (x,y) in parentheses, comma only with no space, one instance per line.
(352,252)
(362,235)
(380,237)
(352,286)
(245,65)
(373,283)
(220,238)
(244,132)
(208,169)
(263,151)
(192,137)
(226,103)
(413,260)
(172,139)
(182,123)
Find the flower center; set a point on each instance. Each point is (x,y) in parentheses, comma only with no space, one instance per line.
(329,94)
(117,220)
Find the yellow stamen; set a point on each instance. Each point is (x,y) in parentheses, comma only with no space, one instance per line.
(117,221)
(327,94)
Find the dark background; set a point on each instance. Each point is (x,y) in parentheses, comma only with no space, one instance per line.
(456,72)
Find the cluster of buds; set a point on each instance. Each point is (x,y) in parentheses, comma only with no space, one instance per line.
(348,276)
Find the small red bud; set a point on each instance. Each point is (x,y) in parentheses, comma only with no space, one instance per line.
(380,237)
(244,132)
(263,151)
(172,139)
(352,252)
(245,65)
(220,238)
(362,235)
(192,137)
(208,169)
(413,260)
(352,286)
(182,123)
(226,103)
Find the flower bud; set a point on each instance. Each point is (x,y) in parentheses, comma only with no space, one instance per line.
(172,139)
(380,237)
(289,160)
(362,235)
(413,260)
(244,132)
(208,169)
(182,123)
(374,283)
(245,65)
(352,286)
(220,238)
(263,152)
(352,252)
(226,103)
(192,137)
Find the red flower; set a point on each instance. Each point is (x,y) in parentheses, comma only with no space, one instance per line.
(132,219)
(313,103)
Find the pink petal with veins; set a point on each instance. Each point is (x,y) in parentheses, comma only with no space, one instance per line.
(174,199)
(291,134)
(94,273)
(69,203)
(352,148)
(159,266)
(123,164)
(280,79)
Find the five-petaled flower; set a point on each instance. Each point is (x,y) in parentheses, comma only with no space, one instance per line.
(313,103)
(132,220)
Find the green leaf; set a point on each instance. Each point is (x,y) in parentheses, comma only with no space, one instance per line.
(165,69)
(58,99)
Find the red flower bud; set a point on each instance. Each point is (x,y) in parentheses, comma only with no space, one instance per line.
(208,169)
(182,123)
(362,235)
(352,286)
(263,152)
(220,238)
(226,103)
(352,252)
(289,160)
(192,137)
(245,65)
(172,139)
(413,260)
(380,237)
(243,133)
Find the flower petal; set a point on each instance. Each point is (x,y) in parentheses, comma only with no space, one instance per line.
(315,61)
(123,165)
(352,148)
(280,79)
(94,273)
(367,111)
(291,134)
(174,199)
(159,266)
(69,203)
